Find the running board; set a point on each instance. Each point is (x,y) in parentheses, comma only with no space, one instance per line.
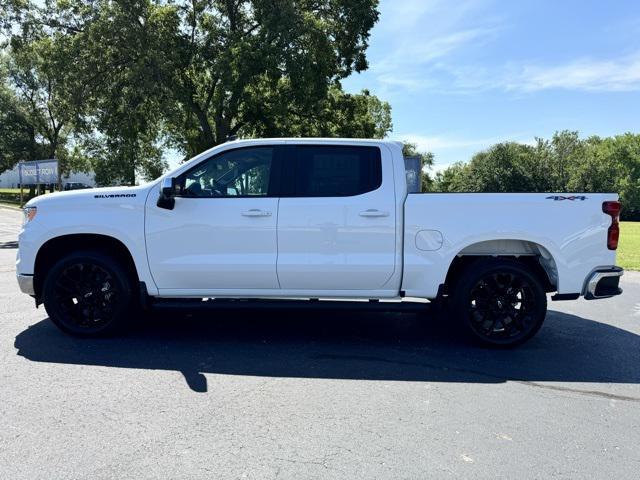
(179,304)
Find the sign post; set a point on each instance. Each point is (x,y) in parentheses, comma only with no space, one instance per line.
(59,175)
(20,180)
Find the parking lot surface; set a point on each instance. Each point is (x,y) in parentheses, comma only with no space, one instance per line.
(317,395)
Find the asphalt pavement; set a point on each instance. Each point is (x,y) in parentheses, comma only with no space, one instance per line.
(298,394)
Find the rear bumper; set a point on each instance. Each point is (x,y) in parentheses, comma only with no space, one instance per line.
(25,282)
(603,283)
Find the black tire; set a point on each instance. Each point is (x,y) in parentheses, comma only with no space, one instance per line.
(499,302)
(88,294)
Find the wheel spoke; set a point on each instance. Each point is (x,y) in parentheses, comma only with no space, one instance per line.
(87,294)
(501,306)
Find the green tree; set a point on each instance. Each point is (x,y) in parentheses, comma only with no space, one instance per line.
(46,93)
(339,114)
(555,159)
(505,167)
(454,178)
(565,163)
(191,73)
(611,165)
(269,67)
(17,135)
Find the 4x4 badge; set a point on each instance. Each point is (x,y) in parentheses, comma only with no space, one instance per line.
(561,197)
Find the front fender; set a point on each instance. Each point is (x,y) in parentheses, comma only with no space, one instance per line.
(119,218)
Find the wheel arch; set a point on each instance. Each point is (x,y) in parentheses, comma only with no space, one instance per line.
(55,248)
(533,254)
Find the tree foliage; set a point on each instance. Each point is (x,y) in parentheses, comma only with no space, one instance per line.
(132,76)
(17,135)
(566,163)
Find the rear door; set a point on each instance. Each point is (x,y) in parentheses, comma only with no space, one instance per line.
(336,225)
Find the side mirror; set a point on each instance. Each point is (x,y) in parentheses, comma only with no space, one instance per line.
(167,193)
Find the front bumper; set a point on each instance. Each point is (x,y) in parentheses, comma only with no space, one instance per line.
(25,282)
(603,283)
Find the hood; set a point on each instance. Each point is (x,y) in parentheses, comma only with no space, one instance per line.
(77,196)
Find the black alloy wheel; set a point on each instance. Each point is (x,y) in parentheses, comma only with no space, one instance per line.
(500,302)
(87,294)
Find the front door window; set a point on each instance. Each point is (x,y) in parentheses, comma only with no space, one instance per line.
(239,173)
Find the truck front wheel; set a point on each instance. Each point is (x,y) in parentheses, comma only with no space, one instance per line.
(499,302)
(88,294)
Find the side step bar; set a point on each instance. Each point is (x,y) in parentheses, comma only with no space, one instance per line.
(196,304)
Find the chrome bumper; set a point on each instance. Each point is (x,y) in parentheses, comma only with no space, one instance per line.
(603,283)
(25,282)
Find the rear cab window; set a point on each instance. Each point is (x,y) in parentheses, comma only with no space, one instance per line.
(336,170)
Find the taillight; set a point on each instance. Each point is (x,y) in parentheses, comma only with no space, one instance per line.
(613,234)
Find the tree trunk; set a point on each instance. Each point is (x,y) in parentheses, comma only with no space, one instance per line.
(206,132)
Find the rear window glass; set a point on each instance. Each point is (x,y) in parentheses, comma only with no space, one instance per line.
(336,171)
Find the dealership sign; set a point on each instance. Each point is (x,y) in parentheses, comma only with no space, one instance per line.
(38,171)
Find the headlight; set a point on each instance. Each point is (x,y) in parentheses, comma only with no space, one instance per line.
(29,214)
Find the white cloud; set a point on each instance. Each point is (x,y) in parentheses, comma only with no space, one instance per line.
(419,33)
(432,143)
(593,75)
(425,51)
(445,44)
(401,15)
(443,142)
(619,74)
(430,46)
(448,149)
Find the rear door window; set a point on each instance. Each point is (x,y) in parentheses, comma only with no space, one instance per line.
(336,171)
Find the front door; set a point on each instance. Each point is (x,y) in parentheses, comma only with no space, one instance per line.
(222,232)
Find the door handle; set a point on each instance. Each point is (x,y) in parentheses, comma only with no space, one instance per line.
(256,212)
(372,212)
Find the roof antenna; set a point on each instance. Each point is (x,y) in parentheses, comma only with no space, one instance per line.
(232,138)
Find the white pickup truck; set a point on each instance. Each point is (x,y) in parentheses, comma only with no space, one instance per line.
(314,219)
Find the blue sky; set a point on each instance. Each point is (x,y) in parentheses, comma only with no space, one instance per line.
(463,75)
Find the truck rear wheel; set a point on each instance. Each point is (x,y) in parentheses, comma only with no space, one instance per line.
(499,302)
(88,294)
